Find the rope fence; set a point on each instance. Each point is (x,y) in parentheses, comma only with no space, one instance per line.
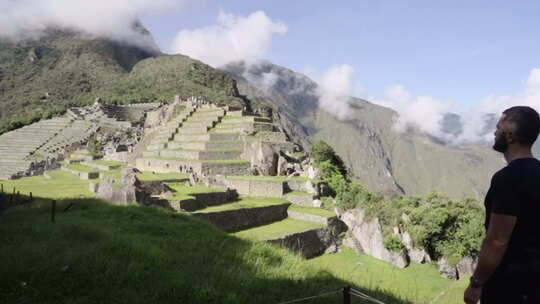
(347,293)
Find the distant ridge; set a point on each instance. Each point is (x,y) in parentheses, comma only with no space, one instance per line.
(385,161)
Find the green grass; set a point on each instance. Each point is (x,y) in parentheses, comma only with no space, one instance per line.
(454,292)
(277,229)
(107,162)
(97,253)
(115,174)
(185,192)
(417,283)
(312,210)
(83,153)
(246,202)
(62,184)
(150,176)
(82,168)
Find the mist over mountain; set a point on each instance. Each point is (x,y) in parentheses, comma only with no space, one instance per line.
(41,78)
(384,159)
(116,20)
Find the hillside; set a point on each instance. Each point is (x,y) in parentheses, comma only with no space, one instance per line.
(39,79)
(384,160)
(96,252)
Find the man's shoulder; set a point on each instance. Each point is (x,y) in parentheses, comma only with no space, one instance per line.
(518,169)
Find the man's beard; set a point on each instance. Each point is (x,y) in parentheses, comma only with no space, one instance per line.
(500,144)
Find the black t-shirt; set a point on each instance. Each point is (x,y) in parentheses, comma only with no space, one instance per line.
(515,190)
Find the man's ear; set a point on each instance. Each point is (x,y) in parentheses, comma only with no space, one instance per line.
(510,137)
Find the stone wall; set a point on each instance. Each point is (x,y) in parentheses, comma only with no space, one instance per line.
(309,243)
(314,242)
(303,186)
(256,188)
(234,220)
(311,217)
(272,136)
(300,199)
(203,200)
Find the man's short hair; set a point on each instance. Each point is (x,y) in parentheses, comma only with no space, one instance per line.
(527,123)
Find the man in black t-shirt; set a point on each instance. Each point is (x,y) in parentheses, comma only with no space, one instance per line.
(508,268)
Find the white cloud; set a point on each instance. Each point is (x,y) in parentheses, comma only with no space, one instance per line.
(427,114)
(420,113)
(233,38)
(114,19)
(336,86)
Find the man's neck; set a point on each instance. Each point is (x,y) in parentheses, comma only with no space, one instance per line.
(516,152)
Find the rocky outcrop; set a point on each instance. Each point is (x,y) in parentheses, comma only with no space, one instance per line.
(130,190)
(365,235)
(314,242)
(368,235)
(416,254)
(126,192)
(464,267)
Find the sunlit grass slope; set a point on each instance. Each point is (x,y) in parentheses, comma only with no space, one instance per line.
(97,253)
(418,283)
(62,184)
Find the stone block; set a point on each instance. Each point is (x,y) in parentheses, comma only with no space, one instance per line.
(300,199)
(309,243)
(256,188)
(234,220)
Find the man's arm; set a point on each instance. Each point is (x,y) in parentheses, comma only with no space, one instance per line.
(495,244)
(493,249)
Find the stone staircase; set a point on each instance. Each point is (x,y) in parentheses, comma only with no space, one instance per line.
(22,149)
(306,230)
(199,141)
(17,147)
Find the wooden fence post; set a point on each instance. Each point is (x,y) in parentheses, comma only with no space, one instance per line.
(53,211)
(347,295)
(31,198)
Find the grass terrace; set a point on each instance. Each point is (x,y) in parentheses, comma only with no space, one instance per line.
(82,168)
(418,283)
(277,229)
(312,210)
(97,253)
(185,192)
(108,162)
(246,202)
(62,184)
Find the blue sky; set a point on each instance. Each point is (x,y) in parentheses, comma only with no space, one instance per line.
(460,51)
(421,58)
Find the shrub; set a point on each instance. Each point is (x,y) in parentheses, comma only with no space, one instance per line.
(392,243)
(322,152)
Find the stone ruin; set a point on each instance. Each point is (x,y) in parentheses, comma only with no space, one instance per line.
(40,146)
(216,145)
